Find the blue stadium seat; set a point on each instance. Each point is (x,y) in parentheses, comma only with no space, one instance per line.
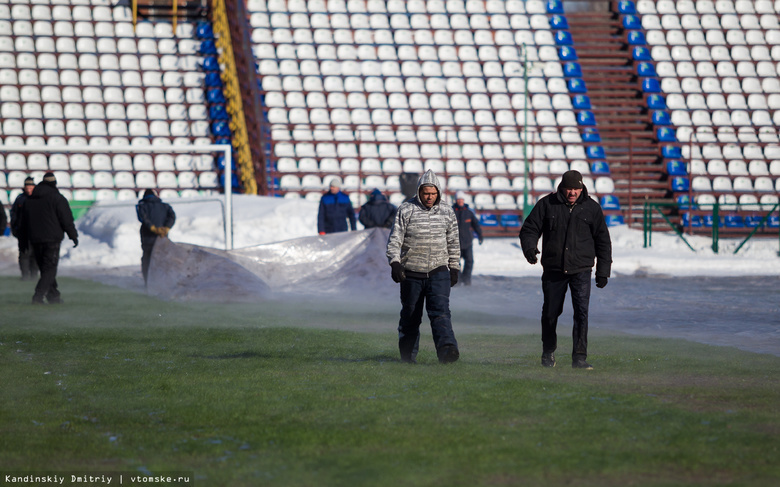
(572,70)
(554,7)
(586,117)
(595,152)
(680,184)
(213,80)
(215,95)
(210,63)
(734,221)
(651,85)
(695,222)
(626,7)
(636,38)
(510,220)
(753,221)
(773,222)
(683,202)
(632,22)
(577,85)
(591,135)
(610,202)
(488,220)
(666,134)
(646,69)
(204,31)
(599,167)
(640,53)
(671,152)
(220,128)
(218,112)
(559,22)
(676,168)
(567,53)
(614,220)
(563,38)
(208,47)
(581,102)
(661,118)
(656,102)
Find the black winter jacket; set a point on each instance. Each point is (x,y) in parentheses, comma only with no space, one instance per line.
(572,238)
(3,220)
(46,216)
(468,224)
(377,212)
(16,214)
(152,211)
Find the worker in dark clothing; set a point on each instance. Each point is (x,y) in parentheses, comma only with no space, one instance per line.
(574,237)
(468,225)
(156,219)
(46,218)
(3,220)
(377,212)
(335,210)
(27,263)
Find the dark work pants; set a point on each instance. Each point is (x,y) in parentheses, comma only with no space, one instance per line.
(47,256)
(434,293)
(27,263)
(146,258)
(467,254)
(554,286)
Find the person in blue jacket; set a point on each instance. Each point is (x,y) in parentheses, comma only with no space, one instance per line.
(156,219)
(335,210)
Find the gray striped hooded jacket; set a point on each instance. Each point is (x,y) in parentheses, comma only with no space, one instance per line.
(423,239)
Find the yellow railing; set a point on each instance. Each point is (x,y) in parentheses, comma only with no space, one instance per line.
(235,107)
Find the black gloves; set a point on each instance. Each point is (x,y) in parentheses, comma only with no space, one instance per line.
(480,240)
(397,272)
(601,281)
(453,277)
(530,256)
(75,242)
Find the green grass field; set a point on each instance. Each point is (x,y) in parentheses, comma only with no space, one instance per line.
(253,395)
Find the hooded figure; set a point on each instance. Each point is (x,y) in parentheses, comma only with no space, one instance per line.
(27,263)
(424,254)
(156,219)
(377,212)
(574,238)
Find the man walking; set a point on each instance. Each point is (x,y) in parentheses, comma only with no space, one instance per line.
(27,263)
(335,210)
(468,225)
(156,219)
(377,212)
(46,218)
(424,255)
(574,235)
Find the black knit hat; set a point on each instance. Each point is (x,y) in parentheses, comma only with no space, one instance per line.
(29,182)
(49,177)
(572,180)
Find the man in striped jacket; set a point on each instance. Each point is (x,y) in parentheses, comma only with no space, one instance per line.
(424,253)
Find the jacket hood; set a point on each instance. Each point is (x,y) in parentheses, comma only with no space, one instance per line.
(377,196)
(149,198)
(582,197)
(44,188)
(428,179)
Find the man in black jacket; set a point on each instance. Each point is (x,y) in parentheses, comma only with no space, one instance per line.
(377,212)
(46,217)
(574,235)
(468,225)
(156,219)
(27,263)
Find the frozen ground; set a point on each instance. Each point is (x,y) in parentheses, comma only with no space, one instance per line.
(666,290)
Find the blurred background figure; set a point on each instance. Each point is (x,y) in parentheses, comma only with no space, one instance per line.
(27,263)
(156,219)
(377,212)
(335,210)
(468,225)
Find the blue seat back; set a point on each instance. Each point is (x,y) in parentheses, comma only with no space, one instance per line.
(676,168)
(645,69)
(563,38)
(661,118)
(640,53)
(558,22)
(610,202)
(680,184)
(581,102)
(595,152)
(577,85)
(572,70)
(694,222)
(488,220)
(671,152)
(651,85)
(508,220)
(631,22)
(636,38)
(656,102)
(614,220)
(599,167)
(626,7)
(666,134)
(567,53)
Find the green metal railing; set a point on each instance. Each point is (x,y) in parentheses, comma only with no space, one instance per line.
(715,208)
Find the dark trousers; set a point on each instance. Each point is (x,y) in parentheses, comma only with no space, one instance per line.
(467,254)
(146,258)
(47,256)
(554,286)
(27,263)
(434,293)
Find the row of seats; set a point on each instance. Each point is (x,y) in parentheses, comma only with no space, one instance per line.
(703,22)
(111,111)
(107,194)
(705,53)
(739,184)
(102,45)
(753,37)
(748,202)
(72,77)
(381,21)
(750,152)
(109,94)
(121,179)
(402,6)
(105,162)
(86,61)
(736,167)
(86,28)
(22,11)
(99,128)
(701,7)
(278,43)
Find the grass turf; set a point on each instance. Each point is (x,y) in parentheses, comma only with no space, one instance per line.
(243,395)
